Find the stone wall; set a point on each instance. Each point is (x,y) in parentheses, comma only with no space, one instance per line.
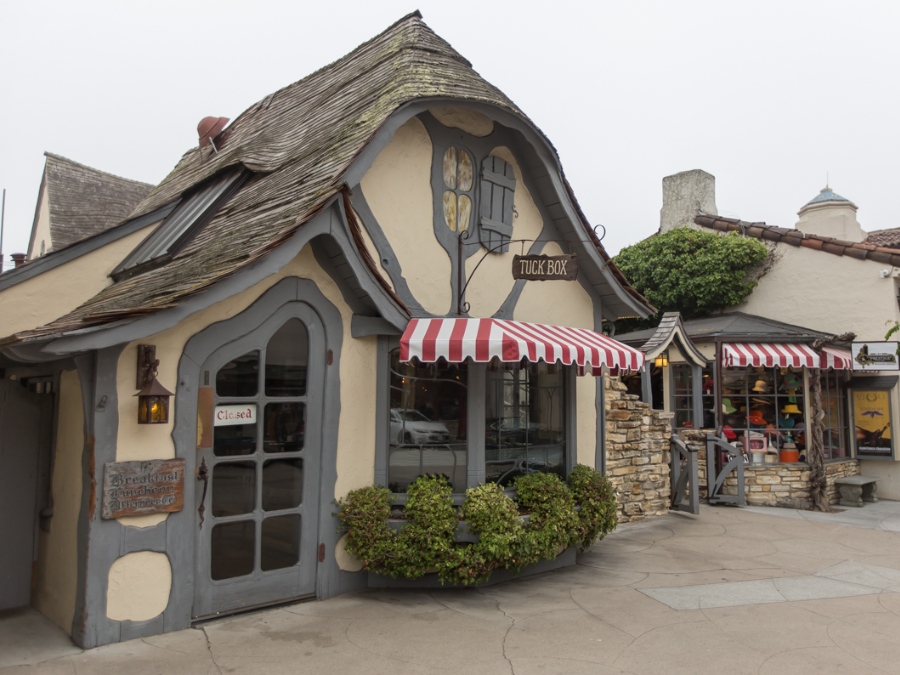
(785,485)
(637,453)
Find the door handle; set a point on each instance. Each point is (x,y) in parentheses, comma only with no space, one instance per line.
(203,474)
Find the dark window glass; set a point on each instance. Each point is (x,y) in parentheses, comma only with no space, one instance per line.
(286,360)
(282,484)
(235,439)
(427,422)
(233,488)
(239,377)
(682,395)
(524,421)
(834,403)
(233,547)
(280,546)
(285,426)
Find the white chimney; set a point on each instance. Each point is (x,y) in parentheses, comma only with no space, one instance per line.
(685,195)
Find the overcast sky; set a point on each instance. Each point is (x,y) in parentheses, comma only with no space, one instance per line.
(767,96)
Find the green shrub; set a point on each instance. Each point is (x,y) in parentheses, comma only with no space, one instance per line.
(559,516)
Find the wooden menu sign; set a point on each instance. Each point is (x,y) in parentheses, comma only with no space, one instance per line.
(142,488)
(545,267)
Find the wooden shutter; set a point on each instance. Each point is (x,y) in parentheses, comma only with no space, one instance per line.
(498,185)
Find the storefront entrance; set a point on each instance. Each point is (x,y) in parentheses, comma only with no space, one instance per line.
(258,459)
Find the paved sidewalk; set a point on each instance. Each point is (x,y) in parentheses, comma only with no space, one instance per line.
(760,591)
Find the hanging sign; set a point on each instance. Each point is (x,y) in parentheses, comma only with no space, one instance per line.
(545,267)
(142,488)
(231,415)
(868,356)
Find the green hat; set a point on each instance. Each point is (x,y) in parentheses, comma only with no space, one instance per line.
(727,408)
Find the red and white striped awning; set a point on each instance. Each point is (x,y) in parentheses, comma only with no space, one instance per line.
(769,355)
(484,339)
(837,358)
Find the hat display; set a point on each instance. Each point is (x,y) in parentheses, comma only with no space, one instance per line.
(756,417)
(727,408)
(728,433)
(791,409)
(761,387)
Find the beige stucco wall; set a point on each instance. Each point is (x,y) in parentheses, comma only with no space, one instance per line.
(493,282)
(398,189)
(48,296)
(829,293)
(41,227)
(138,586)
(56,581)
(470,121)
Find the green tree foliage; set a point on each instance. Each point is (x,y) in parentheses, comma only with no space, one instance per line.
(690,271)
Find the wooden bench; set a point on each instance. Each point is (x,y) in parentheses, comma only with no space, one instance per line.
(857,489)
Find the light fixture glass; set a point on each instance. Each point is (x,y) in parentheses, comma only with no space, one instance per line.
(153,403)
(662,360)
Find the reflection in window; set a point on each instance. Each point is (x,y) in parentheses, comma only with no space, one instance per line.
(682,395)
(524,421)
(285,427)
(235,439)
(427,422)
(834,403)
(458,172)
(286,360)
(239,377)
(232,549)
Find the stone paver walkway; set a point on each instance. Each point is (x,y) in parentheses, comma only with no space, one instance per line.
(729,591)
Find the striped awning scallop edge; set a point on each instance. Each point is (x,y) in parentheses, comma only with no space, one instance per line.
(783,355)
(481,340)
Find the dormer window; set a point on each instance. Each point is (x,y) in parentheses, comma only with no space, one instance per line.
(196,208)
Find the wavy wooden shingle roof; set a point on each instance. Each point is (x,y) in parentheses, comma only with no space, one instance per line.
(298,141)
(84,201)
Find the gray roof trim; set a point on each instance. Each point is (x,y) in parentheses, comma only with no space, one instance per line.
(328,222)
(671,329)
(734,326)
(56,258)
(601,278)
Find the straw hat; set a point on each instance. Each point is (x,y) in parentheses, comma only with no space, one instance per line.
(791,409)
(761,387)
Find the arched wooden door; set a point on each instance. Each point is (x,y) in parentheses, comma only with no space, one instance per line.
(258,458)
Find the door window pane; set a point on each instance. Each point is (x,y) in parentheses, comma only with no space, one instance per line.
(427,422)
(282,484)
(280,542)
(233,488)
(236,439)
(682,395)
(232,548)
(286,360)
(239,377)
(285,426)
(524,421)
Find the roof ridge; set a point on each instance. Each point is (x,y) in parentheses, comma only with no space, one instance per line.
(72,162)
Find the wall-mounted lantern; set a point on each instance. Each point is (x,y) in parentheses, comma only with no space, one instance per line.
(153,398)
(662,360)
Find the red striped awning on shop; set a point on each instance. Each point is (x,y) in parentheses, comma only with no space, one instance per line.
(769,355)
(481,340)
(837,358)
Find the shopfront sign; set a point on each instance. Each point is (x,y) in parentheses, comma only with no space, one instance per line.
(545,267)
(231,415)
(872,424)
(142,488)
(869,356)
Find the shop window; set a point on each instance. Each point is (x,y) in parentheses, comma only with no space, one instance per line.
(524,421)
(523,408)
(763,407)
(428,412)
(834,404)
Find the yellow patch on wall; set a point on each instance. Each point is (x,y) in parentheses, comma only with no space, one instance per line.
(139,586)
(470,121)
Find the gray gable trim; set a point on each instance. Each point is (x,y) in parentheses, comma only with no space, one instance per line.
(83,247)
(328,222)
(538,160)
(671,329)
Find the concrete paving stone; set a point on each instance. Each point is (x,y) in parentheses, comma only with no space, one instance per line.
(688,649)
(586,574)
(838,608)
(891,561)
(521,599)
(813,587)
(694,579)
(723,545)
(773,628)
(717,595)
(858,572)
(535,666)
(656,559)
(874,642)
(818,660)
(827,548)
(629,610)
(753,532)
(890,601)
(29,637)
(577,635)
(801,564)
